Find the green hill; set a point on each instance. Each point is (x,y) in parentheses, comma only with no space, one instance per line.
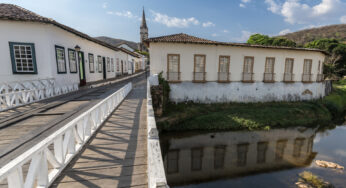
(307,35)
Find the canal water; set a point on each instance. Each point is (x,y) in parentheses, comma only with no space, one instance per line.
(271,158)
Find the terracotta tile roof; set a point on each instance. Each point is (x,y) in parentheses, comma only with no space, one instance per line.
(16,13)
(184,38)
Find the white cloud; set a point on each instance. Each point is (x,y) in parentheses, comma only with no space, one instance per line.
(174,21)
(225,31)
(294,11)
(208,24)
(214,35)
(241,5)
(246,1)
(127,14)
(343,19)
(285,31)
(244,36)
(104,5)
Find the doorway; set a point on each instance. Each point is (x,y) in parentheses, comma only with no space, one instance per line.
(82,79)
(104,68)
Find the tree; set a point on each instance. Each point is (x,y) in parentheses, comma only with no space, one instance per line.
(335,64)
(270,41)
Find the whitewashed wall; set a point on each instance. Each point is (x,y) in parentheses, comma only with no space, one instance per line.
(159,51)
(237,91)
(45,37)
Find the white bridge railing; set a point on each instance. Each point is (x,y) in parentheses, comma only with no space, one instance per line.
(41,165)
(16,94)
(156,171)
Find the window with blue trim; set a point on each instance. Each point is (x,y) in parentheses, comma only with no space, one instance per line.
(60,59)
(23,58)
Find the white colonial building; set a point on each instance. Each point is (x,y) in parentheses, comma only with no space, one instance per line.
(207,71)
(34,47)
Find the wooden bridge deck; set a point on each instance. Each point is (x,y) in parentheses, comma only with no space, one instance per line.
(117,155)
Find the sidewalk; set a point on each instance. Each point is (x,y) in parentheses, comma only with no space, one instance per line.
(116,157)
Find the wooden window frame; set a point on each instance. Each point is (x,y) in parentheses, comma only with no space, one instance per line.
(13,58)
(273,68)
(112,64)
(93,63)
(69,60)
(253,63)
(57,63)
(179,79)
(291,72)
(194,68)
(108,64)
(310,71)
(228,66)
(99,64)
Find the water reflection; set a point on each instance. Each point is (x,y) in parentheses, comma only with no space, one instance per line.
(191,158)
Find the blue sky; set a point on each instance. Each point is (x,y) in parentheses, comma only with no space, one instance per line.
(222,20)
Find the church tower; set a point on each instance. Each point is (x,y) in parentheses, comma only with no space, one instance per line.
(143,33)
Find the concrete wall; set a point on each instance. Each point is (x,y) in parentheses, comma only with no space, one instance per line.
(45,37)
(237,91)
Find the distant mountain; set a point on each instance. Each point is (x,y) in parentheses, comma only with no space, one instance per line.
(308,35)
(116,42)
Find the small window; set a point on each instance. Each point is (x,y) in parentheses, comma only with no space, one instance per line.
(196,159)
(289,65)
(72,60)
(219,156)
(307,66)
(173,161)
(269,66)
(248,65)
(23,58)
(298,144)
(280,149)
(118,70)
(199,63)
(262,148)
(108,65)
(99,62)
(91,63)
(112,64)
(224,64)
(242,150)
(60,59)
(173,67)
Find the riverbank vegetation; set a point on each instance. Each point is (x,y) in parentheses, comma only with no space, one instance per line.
(255,116)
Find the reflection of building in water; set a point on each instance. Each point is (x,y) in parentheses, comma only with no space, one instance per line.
(216,155)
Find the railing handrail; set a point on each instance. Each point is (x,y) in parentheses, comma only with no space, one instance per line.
(10,82)
(16,163)
(156,171)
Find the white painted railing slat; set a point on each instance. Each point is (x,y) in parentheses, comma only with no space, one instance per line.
(65,143)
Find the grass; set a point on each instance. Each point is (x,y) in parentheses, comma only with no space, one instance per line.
(336,101)
(313,180)
(254,116)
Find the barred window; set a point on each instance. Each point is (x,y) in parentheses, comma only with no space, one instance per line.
(224,63)
(72,60)
(307,66)
(199,63)
(173,63)
(108,65)
(289,65)
(118,69)
(99,62)
(60,59)
(91,63)
(112,63)
(248,64)
(269,66)
(23,58)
